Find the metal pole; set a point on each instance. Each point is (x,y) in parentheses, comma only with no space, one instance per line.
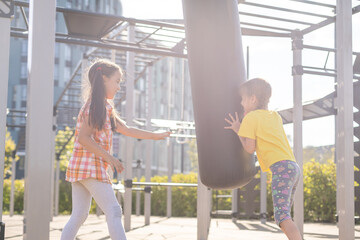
(4,76)
(53,151)
(235,203)
(203,211)
(298,118)
(345,141)
(263,197)
(138,192)
(130,69)
(13,177)
(149,144)
(169,143)
(39,119)
(170,171)
(57,182)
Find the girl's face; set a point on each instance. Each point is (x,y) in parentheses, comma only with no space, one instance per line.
(112,84)
(249,103)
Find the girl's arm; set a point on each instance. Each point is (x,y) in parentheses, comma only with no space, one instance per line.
(247,143)
(122,128)
(86,140)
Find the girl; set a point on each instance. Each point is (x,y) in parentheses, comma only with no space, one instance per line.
(262,131)
(91,155)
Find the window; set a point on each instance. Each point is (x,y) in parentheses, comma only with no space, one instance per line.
(24,48)
(67,53)
(23,70)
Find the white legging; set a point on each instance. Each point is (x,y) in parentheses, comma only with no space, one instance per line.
(104,196)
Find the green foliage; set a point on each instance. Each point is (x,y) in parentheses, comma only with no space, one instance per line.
(193,156)
(62,138)
(18,196)
(319,195)
(10,146)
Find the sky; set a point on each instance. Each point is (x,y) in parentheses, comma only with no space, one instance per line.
(271,59)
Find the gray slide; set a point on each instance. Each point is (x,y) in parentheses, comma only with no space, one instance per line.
(217,67)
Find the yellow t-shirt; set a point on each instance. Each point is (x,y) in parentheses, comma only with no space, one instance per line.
(266,128)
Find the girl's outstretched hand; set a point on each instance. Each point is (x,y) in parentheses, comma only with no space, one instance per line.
(160,135)
(115,164)
(234,123)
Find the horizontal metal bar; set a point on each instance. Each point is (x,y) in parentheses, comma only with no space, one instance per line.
(120,18)
(322,69)
(324,49)
(265,26)
(318,26)
(315,3)
(283,9)
(263,33)
(275,18)
(165,184)
(108,46)
(15,110)
(15,126)
(320,73)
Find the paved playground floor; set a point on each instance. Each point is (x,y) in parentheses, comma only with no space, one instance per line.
(177,228)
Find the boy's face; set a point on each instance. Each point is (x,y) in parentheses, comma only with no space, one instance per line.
(249,103)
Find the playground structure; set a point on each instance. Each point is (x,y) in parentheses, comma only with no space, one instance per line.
(40,118)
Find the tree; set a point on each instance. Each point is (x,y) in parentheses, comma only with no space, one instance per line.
(193,155)
(64,142)
(10,147)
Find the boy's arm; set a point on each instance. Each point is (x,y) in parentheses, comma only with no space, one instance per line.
(248,144)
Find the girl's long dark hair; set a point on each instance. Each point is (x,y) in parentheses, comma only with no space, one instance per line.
(96,97)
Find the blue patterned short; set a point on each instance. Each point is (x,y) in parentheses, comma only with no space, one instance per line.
(285,177)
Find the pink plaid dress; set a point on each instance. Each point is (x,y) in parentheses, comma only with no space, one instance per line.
(84,164)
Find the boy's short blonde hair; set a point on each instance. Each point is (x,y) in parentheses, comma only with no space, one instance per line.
(258,87)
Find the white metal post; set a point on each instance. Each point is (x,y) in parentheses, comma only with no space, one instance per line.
(203,210)
(4,76)
(149,144)
(138,169)
(345,141)
(13,177)
(170,172)
(57,183)
(263,197)
(130,69)
(39,120)
(235,203)
(169,143)
(298,118)
(53,151)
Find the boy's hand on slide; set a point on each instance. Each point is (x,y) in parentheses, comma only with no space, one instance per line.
(234,123)
(161,135)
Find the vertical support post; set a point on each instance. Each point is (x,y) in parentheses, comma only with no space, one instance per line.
(4,76)
(149,144)
(39,119)
(203,210)
(52,182)
(263,197)
(345,138)
(13,177)
(170,171)
(57,177)
(169,143)
(235,203)
(297,46)
(138,169)
(130,69)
